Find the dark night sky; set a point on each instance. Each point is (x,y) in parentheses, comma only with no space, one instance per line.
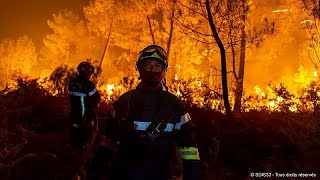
(19,17)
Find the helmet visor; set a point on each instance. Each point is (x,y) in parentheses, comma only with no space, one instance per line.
(154,52)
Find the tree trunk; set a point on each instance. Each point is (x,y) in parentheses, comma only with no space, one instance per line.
(151,32)
(233,53)
(171,29)
(239,88)
(223,60)
(105,50)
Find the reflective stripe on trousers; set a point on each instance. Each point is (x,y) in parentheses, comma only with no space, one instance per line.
(189,153)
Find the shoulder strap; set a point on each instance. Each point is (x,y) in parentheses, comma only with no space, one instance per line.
(160,124)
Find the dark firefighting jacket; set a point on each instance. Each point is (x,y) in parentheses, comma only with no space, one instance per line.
(172,153)
(84,99)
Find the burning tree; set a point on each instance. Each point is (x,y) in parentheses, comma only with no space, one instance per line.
(241,35)
(196,15)
(17,56)
(125,22)
(227,21)
(312,25)
(119,24)
(65,45)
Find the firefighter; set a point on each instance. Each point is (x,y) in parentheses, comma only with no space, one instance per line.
(154,133)
(84,99)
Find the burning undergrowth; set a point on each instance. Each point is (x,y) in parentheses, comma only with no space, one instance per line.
(278,130)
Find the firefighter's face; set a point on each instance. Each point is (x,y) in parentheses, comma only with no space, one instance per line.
(87,73)
(151,71)
(152,65)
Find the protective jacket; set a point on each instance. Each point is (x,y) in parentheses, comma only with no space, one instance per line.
(84,99)
(173,150)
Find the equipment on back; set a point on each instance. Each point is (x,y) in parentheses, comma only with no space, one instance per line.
(153,52)
(156,129)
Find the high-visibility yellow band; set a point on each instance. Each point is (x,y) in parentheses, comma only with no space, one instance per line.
(189,153)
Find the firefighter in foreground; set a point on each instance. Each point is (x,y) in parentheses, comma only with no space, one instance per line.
(84,99)
(155,134)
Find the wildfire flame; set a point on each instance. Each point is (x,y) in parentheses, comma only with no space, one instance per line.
(110,91)
(196,80)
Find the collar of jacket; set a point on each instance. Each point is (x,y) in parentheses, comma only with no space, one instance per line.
(142,87)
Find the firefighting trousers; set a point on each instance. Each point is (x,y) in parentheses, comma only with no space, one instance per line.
(79,137)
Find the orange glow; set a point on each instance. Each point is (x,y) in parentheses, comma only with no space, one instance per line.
(288,56)
(110,91)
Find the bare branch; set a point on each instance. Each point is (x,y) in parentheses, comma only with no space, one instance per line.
(189,8)
(315,64)
(193,30)
(151,32)
(193,38)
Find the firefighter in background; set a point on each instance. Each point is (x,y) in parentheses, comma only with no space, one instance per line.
(84,99)
(154,133)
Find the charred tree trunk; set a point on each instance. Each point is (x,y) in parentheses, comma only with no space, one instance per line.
(99,71)
(223,60)
(233,52)
(239,88)
(171,29)
(151,31)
